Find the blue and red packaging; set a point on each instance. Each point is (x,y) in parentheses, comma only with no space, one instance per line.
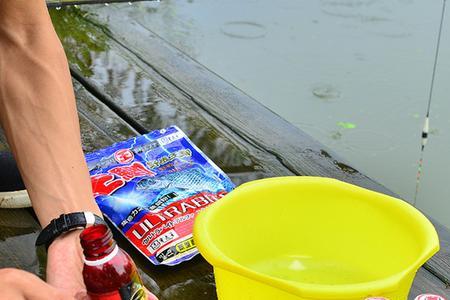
(152,186)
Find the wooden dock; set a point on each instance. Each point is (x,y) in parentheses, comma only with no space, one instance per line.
(129,81)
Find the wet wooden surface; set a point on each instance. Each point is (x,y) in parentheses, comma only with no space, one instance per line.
(129,81)
(425,282)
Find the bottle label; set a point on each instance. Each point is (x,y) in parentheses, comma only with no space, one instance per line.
(132,291)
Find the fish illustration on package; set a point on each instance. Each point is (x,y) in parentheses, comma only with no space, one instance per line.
(183,180)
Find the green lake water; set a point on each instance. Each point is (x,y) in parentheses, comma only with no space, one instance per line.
(354,74)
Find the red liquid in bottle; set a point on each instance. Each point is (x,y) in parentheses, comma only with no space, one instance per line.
(109,273)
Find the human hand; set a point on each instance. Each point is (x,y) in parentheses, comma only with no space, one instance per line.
(65,266)
(20,285)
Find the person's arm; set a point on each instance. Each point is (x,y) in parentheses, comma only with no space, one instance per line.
(38,112)
(38,115)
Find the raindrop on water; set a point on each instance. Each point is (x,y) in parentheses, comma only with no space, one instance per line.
(326,92)
(244,30)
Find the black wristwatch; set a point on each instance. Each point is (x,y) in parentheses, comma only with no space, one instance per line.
(65,223)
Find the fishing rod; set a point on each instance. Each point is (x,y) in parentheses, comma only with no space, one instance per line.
(59,4)
(426,126)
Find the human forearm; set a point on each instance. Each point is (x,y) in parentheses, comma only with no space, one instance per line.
(38,114)
(22,14)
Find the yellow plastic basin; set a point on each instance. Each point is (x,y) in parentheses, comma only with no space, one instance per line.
(313,238)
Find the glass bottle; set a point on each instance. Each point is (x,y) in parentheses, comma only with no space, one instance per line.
(109,273)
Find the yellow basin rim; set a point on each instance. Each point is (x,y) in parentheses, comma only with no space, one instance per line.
(218,259)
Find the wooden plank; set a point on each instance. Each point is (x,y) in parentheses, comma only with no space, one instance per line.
(425,282)
(100,127)
(240,161)
(240,113)
(439,265)
(139,94)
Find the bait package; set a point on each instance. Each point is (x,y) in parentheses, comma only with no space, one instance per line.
(152,186)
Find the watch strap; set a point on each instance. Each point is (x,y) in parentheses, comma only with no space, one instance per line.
(65,223)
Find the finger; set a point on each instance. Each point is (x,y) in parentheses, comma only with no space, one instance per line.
(35,288)
(31,286)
